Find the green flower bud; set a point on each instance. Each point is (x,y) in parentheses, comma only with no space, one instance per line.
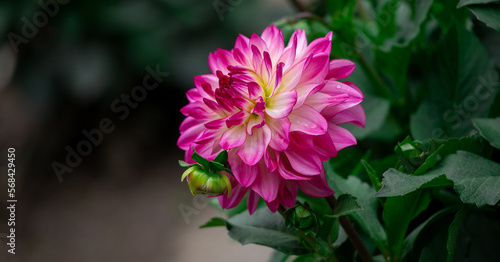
(301,217)
(201,181)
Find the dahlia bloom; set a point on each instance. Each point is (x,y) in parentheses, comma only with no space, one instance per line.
(277,111)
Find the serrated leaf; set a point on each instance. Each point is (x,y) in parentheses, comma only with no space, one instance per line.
(214,222)
(267,229)
(489,128)
(475,179)
(396,183)
(346,204)
(277,256)
(473,2)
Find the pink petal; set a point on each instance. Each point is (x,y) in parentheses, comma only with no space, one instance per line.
(320,45)
(254,90)
(237,194)
(252,201)
(196,109)
(280,130)
(273,205)
(316,187)
(281,104)
(267,184)
(234,137)
(288,194)
(305,163)
(307,120)
(287,172)
(274,41)
(192,129)
(253,149)
(203,80)
(354,115)
(220,60)
(242,44)
(271,160)
(243,173)
(254,121)
(341,136)
(301,43)
(340,68)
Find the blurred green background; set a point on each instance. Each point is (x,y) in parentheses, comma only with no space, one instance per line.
(62,64)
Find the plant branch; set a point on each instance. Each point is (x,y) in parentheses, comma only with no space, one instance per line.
(351,232)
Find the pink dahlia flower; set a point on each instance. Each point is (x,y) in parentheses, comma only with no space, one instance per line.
(277,111)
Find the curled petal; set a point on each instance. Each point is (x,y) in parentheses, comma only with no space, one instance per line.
(281,104)
(316,187)
(307,120)
(280,130)
(252,201)
(244,174)
(340,68)
(267,184)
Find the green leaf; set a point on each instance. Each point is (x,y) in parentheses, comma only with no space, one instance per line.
(183,164)
(267,229)
(366,218)
(453,231)
(488,14)
(221,157)
(214,222)
(346,204)
(398,212)
(489,128)
(396,183)
(372,173)
(456,86)
(473,2)
(475,179)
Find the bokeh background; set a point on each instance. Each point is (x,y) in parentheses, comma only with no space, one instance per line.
(62,65)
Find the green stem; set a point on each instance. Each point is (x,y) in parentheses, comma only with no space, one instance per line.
(351,232)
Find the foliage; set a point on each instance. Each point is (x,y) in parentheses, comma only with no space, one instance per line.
(423,183)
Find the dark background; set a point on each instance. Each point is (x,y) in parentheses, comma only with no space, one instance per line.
(60,72)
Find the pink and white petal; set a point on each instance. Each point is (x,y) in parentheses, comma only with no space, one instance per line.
(252,201)
(220,60)
(320,100)
(252,151)
(197,109)
(258,42)
(341,136)
(316,187)
(254,121)
(280,131)
(233,137)
(274,41)
(242,43)
(211,80)
(243,173)
(193,95)
(281,104)
(291,77)
(267,184)
(316,70)
(320,45)
(193,130)
(340,68)
(301,43)
(307,120)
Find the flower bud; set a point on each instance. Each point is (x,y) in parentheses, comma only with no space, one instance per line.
(302,218)
(201,181)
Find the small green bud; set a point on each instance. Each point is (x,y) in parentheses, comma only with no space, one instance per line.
(201,181)
(301,217)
